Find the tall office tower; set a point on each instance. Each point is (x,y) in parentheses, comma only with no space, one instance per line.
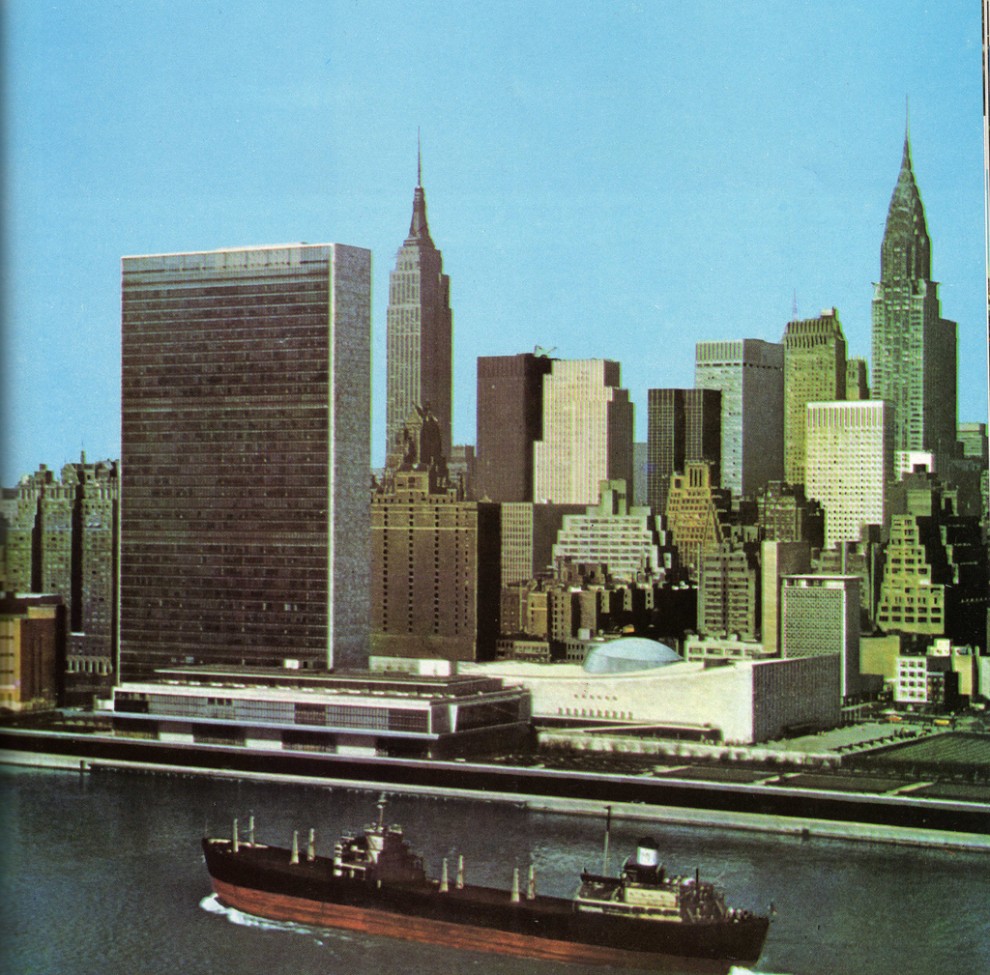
(849,464)
(914,348)
(625,539)
(820,617)
(857,379)
(750,374)
(246,427)
(682,425)
(419,330)
(436,577)
(587,432)
(510,421)
(814,371)
(697,514)
(729,591)
(778,559)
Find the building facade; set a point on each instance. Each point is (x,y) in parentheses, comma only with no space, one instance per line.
(419,330)
(935,577)
(814,371)
(739,702)
(820,617)
(785,514)
(32,641)
(778,559)
(63,539)
(849,465)
(857,378)
(625,539)
(529,532)
(436,578)
(682,425)
(246,427)
(587,432)
(914,348)
(750,375)
(510,421)
(406,715)
(729,591)
(696,511)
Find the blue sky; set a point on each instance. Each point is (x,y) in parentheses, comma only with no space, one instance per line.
(610,179)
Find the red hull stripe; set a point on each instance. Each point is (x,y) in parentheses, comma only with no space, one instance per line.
(279,907)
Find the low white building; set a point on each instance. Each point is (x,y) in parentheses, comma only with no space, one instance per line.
(641,682)
(357,713)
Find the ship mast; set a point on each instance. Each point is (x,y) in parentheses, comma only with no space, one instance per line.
(608,829)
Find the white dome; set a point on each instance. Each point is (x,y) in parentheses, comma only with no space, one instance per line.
(629,653)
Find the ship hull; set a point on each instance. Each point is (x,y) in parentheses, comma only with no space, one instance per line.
(264,884)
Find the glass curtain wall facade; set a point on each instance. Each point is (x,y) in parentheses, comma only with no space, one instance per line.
(246,428)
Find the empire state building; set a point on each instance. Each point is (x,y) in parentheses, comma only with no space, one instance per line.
(419,330)
(914,348)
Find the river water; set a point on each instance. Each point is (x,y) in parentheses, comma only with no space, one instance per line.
(104,874)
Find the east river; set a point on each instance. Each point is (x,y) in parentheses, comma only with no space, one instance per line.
(104,874)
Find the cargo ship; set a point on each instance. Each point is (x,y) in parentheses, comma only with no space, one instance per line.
(375,883)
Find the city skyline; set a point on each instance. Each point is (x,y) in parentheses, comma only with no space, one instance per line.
(610,182)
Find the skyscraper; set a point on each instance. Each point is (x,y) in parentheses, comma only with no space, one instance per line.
(246,427)
(682,425)
(814,370)
(510,421)
(750,374)
(849,464)
(587,432)
(63,540)
(419,330)
(914,348)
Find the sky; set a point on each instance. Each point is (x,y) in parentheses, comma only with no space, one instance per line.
(605,179)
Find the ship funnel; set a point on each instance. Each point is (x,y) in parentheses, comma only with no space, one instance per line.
(311,846)
(233,842)
(647,853)
(295,847)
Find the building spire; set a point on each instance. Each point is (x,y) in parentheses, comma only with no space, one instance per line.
(905,252)
(419,229)
(906,159)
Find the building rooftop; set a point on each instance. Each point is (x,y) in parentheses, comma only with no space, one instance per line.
(354,681)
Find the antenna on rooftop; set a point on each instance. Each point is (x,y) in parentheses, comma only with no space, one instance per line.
(794,305)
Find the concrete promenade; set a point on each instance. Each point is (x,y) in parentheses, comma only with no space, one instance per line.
(805,829)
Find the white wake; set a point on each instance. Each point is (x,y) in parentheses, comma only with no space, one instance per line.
(211,904)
